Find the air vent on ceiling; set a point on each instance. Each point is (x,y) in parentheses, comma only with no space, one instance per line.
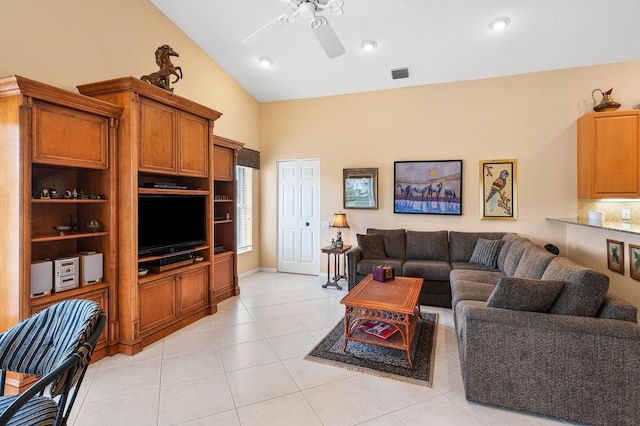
(400,73)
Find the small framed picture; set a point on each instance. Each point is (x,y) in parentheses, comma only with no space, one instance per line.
(634,261)
(615,256)
(360,188)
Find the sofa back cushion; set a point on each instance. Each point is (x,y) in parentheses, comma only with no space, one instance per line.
(584,289)
(394,241)
(371,246)
(461,244)
(533,263)
(513,256)
(507,240)
(427,245)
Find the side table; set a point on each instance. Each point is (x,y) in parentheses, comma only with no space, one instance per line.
(337,276)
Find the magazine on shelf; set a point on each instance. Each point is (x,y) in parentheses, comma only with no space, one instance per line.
(378,329)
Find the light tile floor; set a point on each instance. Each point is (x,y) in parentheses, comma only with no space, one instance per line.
(244,366)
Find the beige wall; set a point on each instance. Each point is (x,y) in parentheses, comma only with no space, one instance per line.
(71,42)
(527,117)
(531,118)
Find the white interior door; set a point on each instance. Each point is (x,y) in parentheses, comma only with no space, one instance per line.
(298,216)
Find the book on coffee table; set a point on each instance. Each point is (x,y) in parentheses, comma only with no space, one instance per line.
(378,329)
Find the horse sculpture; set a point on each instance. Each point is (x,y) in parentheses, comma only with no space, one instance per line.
(161,78)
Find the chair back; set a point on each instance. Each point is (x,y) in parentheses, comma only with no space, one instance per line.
(40,343)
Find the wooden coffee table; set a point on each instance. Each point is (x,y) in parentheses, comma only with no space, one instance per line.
(392,302)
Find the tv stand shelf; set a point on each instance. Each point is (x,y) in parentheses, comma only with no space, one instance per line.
(177,253)
(142,190)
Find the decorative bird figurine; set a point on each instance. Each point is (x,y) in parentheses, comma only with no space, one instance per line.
(496,187)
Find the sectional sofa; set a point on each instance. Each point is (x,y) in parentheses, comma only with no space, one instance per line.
(536,332)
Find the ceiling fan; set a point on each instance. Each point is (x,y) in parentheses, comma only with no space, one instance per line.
(309,10)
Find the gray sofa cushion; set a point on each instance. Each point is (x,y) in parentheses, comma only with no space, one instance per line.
(461,244)
(428,245)
(469,290)
(512,257)
(486,252)
(394,241)
(616,308)
(533,263)
(365,266)
(584,289)
(433,270)
(371,246)
(521,294)
(467,265)
(507,240)
(479,276)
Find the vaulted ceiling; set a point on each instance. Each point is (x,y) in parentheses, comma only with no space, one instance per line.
(436,40)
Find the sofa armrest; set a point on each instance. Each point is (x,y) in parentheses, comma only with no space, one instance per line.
(615,307)
(353,257)
(576,368)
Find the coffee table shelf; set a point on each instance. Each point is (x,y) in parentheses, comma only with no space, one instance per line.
(393,302)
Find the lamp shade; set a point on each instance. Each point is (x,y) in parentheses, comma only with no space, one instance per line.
(339,220)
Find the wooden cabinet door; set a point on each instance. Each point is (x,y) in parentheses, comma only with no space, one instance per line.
(223,163)
(192,290)
(68,137)
(609,155)
(158,136)
(157,302)
(223,279)
(193,145)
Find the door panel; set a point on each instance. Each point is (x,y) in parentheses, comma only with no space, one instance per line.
(298,216)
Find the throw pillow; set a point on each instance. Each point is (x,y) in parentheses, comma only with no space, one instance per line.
(371,246)
(486,252)
(523,294)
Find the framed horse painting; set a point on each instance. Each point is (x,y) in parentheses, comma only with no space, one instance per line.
(428,187)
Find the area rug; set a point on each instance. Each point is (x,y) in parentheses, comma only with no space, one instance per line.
(381,361)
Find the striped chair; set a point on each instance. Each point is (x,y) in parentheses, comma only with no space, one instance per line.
(56,343)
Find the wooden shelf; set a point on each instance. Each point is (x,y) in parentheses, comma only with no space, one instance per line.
(192,250)
(66,201)
(68,294)
(223,201)
(69,236)
(142,190)
(151,276)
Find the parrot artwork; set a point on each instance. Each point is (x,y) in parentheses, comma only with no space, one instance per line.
(496,187)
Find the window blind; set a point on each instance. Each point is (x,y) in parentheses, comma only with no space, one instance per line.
(244,208)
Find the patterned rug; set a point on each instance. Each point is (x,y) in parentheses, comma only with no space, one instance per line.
(381,361)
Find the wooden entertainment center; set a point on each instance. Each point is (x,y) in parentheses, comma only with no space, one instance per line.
(164,138)
(103,146)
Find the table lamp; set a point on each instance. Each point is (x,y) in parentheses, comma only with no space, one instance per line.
(339,221)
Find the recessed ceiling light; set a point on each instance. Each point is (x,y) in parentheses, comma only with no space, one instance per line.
(500,24)
(368,45)
(265,61)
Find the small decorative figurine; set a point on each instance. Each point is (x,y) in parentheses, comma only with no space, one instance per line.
(163,60)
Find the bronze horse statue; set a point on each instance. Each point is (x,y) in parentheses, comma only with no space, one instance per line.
(161,78)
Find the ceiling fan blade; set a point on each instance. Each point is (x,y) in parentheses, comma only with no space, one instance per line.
(269,29)
(328,38)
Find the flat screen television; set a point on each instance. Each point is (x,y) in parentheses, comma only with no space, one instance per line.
(170,223)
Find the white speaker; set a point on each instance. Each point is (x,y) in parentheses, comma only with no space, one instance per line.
(41,278)
(91,269)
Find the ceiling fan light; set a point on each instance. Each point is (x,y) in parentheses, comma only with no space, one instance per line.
(265,61)
(500,23)
(307,10)
(368,45)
